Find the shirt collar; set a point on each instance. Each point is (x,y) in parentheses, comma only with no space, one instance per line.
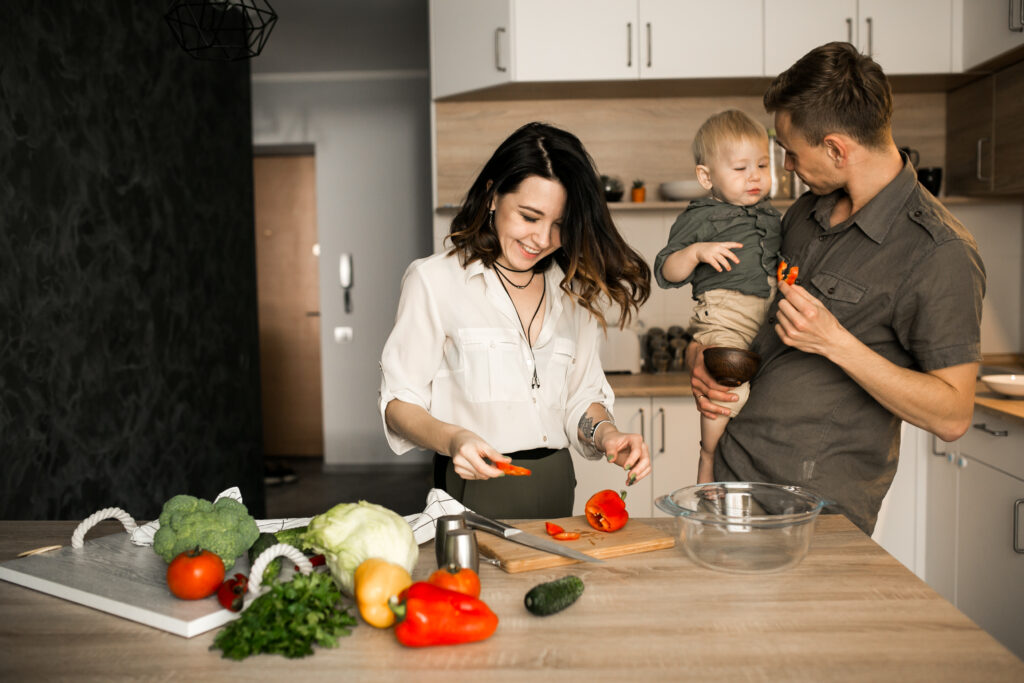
(875,219)
(763,207)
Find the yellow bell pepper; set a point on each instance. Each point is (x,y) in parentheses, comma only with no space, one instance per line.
(376,580)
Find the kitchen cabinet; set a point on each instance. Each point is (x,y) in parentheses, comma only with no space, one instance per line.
(990,28)
(905,37)
(984,140)
(975,529)
(670,426)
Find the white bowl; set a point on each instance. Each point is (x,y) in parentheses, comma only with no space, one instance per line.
(1007,385)
(681,190)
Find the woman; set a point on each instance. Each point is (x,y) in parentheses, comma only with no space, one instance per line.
(494,353)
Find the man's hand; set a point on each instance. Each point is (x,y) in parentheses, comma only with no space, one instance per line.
(805,324)
(704,386)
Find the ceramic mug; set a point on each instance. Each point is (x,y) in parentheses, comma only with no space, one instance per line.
(931,178)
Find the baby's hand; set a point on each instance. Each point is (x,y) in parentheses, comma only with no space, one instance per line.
(717,254)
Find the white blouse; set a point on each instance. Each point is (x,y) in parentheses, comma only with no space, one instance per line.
(459,351)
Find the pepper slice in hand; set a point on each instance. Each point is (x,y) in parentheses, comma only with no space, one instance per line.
(786,272)
(431,615)
(514,470)
(606,510)
(463,580)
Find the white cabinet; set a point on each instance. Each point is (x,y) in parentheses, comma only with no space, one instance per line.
(975,532)
(670,426)
(900,520)
(700,39)
(903,36)
(990,28)
(468,45)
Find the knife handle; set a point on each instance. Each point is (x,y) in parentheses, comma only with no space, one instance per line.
(491,526)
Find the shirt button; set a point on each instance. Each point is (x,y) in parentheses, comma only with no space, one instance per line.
(831,290)
(771,320)
(544,439)
(534,399)
(821,238)
(918,213)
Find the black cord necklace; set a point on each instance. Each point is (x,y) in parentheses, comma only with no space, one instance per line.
(535,384)
(502,276)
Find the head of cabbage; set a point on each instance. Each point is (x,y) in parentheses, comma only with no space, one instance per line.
(349,533)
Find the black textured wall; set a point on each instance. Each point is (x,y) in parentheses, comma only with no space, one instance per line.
(129,367)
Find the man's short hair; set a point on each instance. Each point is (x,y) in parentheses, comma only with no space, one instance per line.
(834,89)
(724,127)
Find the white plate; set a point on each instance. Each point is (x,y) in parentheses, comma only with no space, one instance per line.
(1007,385)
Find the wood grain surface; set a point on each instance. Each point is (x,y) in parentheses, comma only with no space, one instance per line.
(635,537)
(848,612)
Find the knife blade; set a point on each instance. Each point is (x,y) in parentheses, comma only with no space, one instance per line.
(511,533)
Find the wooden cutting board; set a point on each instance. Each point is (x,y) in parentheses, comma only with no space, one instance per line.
(635,537)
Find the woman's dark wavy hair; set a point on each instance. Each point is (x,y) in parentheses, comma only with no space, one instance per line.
(594,257)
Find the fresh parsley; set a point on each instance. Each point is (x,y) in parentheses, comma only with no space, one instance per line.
(288,620)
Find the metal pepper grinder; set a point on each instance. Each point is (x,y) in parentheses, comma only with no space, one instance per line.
(460,550)
(445,525)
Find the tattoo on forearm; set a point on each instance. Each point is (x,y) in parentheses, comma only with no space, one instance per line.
(587,428)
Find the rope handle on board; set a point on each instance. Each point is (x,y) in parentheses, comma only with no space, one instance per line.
(279,550)
(78,537)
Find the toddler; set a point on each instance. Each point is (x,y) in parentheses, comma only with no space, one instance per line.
(726,246)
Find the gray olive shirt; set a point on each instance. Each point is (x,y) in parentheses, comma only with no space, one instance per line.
(904,277)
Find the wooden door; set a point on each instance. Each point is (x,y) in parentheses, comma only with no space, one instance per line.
(289,304)
(969,139)
(1008,166)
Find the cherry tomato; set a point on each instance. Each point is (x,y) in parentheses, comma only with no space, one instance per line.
(195,574)
(463,580)
(231,594)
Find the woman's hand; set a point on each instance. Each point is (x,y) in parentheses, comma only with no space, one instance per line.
(704,387)
(468,452)
(628,451)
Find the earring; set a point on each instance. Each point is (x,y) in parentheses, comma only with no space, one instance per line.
(490,217)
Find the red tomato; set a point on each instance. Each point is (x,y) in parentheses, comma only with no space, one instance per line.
(195,574)
(463,580)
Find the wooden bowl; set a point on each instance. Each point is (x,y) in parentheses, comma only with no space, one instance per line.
(729,366)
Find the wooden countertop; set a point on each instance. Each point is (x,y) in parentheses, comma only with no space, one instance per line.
(849,611)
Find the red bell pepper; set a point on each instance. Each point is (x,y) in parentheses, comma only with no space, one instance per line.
(514,470)
(606,510)
(552,528)
(430,615)
(567,536)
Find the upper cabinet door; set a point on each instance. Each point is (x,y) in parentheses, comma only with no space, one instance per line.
(469,46)
(574,40)
(700,39)
(792,28)
(909,36)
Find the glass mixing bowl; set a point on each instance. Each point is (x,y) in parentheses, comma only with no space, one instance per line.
(743,527)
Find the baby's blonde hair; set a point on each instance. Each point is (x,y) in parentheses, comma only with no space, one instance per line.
(730,125)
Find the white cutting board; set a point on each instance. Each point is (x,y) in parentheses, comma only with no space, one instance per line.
(114,575)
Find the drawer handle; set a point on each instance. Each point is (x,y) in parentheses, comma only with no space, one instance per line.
(661,411)
(935,442)
(977,155)
(1016,526)
(1018,25)
(993,432)
(497,49)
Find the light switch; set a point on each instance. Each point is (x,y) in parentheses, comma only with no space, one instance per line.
(342,335)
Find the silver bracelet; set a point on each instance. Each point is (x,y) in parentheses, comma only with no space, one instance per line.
(593,433)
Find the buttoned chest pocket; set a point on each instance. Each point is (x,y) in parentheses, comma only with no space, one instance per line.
(841,295)
(493,365)
(554,384)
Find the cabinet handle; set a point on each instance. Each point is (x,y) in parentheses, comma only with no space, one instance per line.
(977,154)
(1020,17)
(849,29)
(1016,526)
(629,46)
(497,49)
(994,432)
(643,426)
(871,36)
(650,50)
(661,412)
(935,442)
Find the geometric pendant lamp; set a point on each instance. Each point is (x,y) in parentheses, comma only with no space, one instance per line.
(221,30)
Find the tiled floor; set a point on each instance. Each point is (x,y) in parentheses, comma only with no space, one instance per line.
(402,488)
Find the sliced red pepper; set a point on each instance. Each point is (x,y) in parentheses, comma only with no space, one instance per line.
(553,528)
(792,275)
(514,470)
(231,594)
(780,270)
(606,510)
(430,615)
(567,536)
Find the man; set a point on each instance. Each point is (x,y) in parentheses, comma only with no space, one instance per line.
(883,322)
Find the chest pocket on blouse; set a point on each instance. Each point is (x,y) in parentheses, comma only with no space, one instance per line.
(554,382)
(493,366)
(839,294)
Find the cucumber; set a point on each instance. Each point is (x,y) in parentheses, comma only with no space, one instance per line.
(554,596)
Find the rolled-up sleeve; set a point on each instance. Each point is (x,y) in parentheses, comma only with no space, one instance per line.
(412,353)
(587,383)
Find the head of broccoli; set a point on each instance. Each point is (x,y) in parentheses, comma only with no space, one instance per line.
(225,528)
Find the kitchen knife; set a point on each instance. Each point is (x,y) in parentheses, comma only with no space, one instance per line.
(510,533)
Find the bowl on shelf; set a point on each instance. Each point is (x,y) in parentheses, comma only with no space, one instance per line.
(743,527)
(1007,385)
(681,190)
(731,366)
